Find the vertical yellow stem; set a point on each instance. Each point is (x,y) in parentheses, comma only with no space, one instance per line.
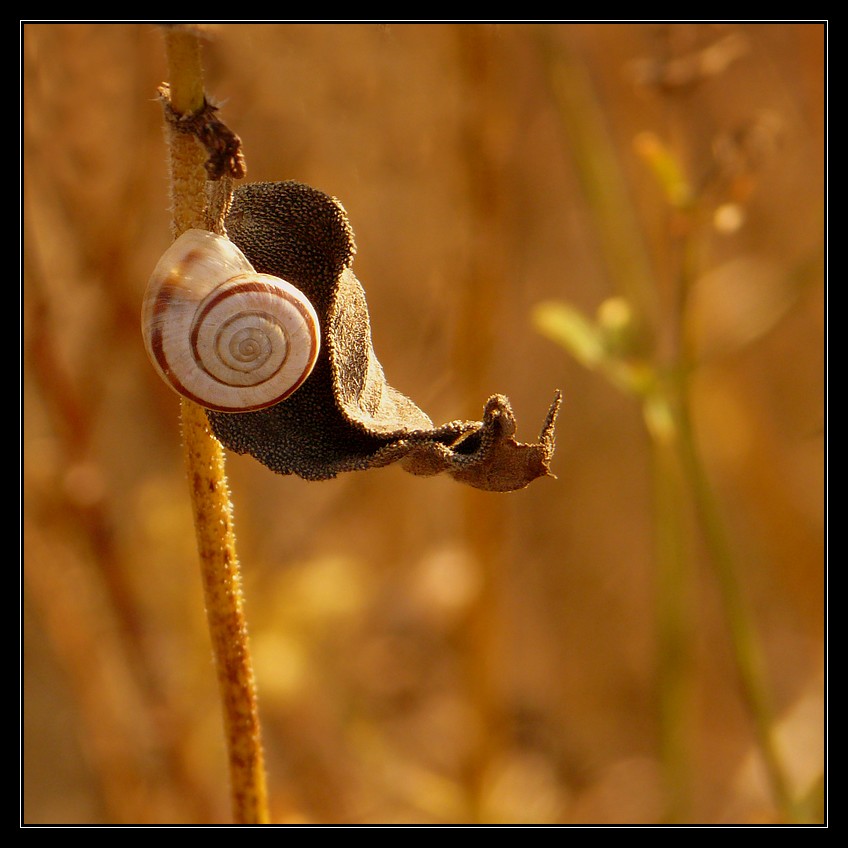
(219,568)
(188,175)
(210,496)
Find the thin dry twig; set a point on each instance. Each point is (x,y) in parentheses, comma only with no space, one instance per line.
(186,107)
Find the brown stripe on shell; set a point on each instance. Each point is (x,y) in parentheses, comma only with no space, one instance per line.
(167,292)
(252,287)
(248,286)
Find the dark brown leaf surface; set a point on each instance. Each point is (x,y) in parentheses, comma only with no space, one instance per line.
(346,417)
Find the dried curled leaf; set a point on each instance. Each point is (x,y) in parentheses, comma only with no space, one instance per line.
(346,417)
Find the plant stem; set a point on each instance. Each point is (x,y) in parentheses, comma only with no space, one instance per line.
(225,615)
(679,475)
(632,276)
(598,167)
(746,649)
(747,655)
(674,635)
(204,460)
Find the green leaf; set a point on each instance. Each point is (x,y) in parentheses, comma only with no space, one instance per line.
(571,329)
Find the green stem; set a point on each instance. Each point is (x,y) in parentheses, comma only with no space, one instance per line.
(673,605)
(746,650)
(679,477)
(750,667)
(597,165)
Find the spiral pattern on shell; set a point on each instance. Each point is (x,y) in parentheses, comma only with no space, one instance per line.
(221,334)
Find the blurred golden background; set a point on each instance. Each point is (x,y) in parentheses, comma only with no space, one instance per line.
(573,206)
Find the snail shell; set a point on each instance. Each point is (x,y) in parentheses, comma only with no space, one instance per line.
(221,334)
